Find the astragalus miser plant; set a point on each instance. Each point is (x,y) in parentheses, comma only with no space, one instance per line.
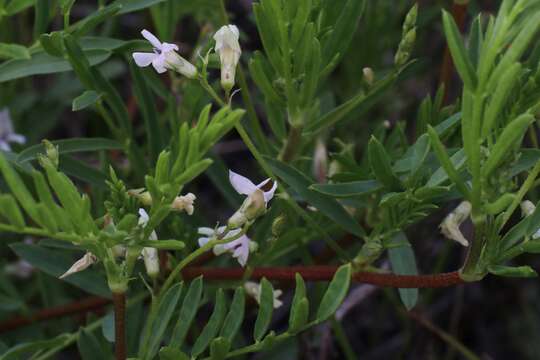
(133,222)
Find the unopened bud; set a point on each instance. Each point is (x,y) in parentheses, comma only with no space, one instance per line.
(144,196)
(369,75)
(278,225)
(527,208)
(410,19)
(51,151)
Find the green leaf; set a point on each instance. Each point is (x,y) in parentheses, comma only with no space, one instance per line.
(379,162)
(235,316)
(107,327)
(349,189)
(68,146)
(135,5)
(89,281)
(43,63)
(219,348)
(525,228)
(188,311)
(148,109)
(457,161)
(80,170)
(403,262)
(300,183)
(300,306)
(13,51)
(510,271)
(510,137)
(336,292)
(86,99)
(212,327)
(171,353)
(266,308)
(16,6)
(164,314)
(446,163)
(459,54)
(11,211)
(89,346)
(18,351)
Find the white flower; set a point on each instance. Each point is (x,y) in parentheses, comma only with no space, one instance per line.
(239,248)
(149,254)
(80,265)
(164,57)
(253,289)
(7,134)
(228,48)
(185,203)
(451,223)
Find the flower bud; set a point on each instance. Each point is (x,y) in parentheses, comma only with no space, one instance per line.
(369,75)
(253,289)
(51,151)
(527,208)
(278,225)
(253,206)
(228,48)
(144,196)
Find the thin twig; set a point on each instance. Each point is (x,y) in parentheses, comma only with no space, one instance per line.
(78,307)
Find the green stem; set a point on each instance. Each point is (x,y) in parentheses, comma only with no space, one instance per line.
(471,270)
(290,147)
(206,86)
(40,232)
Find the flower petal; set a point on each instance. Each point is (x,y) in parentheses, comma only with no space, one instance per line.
(205,231)
(159,64)
(16,138)
(241,184)
(143,217)
(151,38)
(203,241)
(165,47)
(143,59)
(268,195)
(4,146)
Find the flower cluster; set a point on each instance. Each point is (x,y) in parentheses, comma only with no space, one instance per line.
(165,57)
(253,206)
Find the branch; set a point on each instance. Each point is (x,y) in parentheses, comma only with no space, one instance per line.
(325,273)
(78,307)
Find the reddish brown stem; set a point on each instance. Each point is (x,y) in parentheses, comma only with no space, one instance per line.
(325,273)
(83,306)
(459,13)
(119,301)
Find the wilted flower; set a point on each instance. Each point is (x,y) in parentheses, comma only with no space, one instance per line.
(320,161)
(149,254)
(228,48)
(452,221)
(239,248)
(256,201)
(185,203)
(253,289)
(7,134)
(80,265)
(164,57)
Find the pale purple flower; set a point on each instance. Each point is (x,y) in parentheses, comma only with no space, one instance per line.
(164,57)
(7,134)
(244,186)
(239,247)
